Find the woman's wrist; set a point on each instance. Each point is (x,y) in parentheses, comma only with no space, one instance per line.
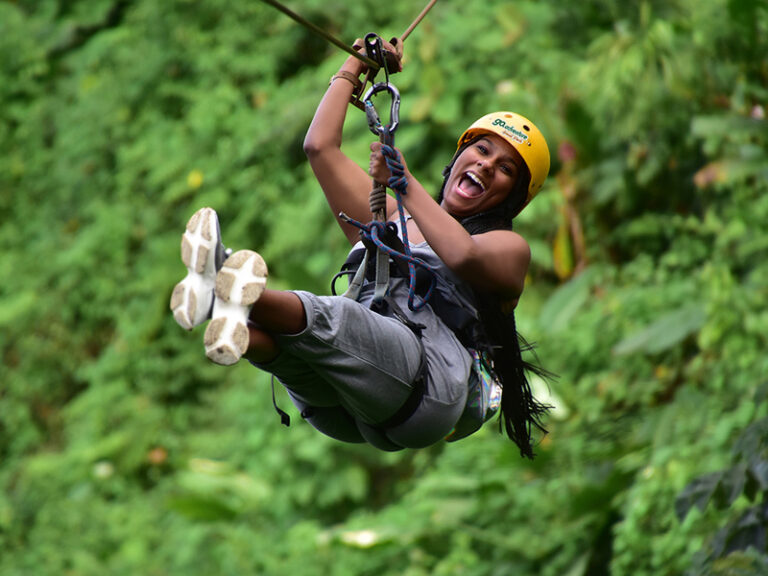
(349,74)
(354,66)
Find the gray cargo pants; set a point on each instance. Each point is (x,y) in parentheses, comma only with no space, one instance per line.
(352,369)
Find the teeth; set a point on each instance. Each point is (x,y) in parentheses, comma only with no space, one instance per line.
(472,176)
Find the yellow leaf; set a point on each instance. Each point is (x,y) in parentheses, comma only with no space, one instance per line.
(195,179)
(562,250)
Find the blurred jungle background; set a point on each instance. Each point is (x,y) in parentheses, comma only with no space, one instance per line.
(123,451)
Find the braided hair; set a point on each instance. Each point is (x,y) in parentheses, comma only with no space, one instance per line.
(520,412)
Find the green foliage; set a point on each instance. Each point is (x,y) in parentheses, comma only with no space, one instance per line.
(122,451)
(742,542)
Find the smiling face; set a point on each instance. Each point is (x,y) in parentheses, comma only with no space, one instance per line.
(482,177)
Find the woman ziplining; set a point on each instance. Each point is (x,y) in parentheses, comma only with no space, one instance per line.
(434,357)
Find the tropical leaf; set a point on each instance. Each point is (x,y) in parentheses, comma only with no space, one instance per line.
(667,331)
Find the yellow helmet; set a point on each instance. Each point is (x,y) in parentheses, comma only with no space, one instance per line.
(524,137)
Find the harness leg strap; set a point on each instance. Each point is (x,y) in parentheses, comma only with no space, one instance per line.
(388,305)
(353,291)
(382,275)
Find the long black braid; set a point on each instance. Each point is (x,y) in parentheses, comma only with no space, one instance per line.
(520,412)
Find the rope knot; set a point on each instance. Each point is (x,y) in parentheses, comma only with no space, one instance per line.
(397,182)
(374,232)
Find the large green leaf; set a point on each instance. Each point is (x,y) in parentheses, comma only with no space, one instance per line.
(667,331)
(566,302)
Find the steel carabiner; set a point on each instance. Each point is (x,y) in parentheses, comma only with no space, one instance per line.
(385,133)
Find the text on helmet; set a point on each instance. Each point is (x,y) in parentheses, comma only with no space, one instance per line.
(511,131)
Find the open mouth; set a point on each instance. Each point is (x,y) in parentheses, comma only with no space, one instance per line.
(470,185)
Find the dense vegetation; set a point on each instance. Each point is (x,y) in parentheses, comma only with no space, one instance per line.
(123,451)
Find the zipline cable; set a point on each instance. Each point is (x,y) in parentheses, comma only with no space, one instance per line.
(419,18)
(317,30)
(338,43)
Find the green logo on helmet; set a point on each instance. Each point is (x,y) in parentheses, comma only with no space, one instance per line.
(511,131)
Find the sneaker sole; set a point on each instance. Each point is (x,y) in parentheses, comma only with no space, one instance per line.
(202,253)
(239,284)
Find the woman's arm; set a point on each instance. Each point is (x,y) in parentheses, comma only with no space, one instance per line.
(346,185)
(496,260)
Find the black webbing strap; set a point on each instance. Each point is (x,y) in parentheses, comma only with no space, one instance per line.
(285,420)
(420,383)
(412,402)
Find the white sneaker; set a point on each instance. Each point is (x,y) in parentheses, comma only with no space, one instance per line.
(239,284)
(202,253)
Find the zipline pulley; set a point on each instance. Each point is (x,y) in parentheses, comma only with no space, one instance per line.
(383,59)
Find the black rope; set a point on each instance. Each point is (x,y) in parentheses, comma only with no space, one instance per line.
(284,418)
